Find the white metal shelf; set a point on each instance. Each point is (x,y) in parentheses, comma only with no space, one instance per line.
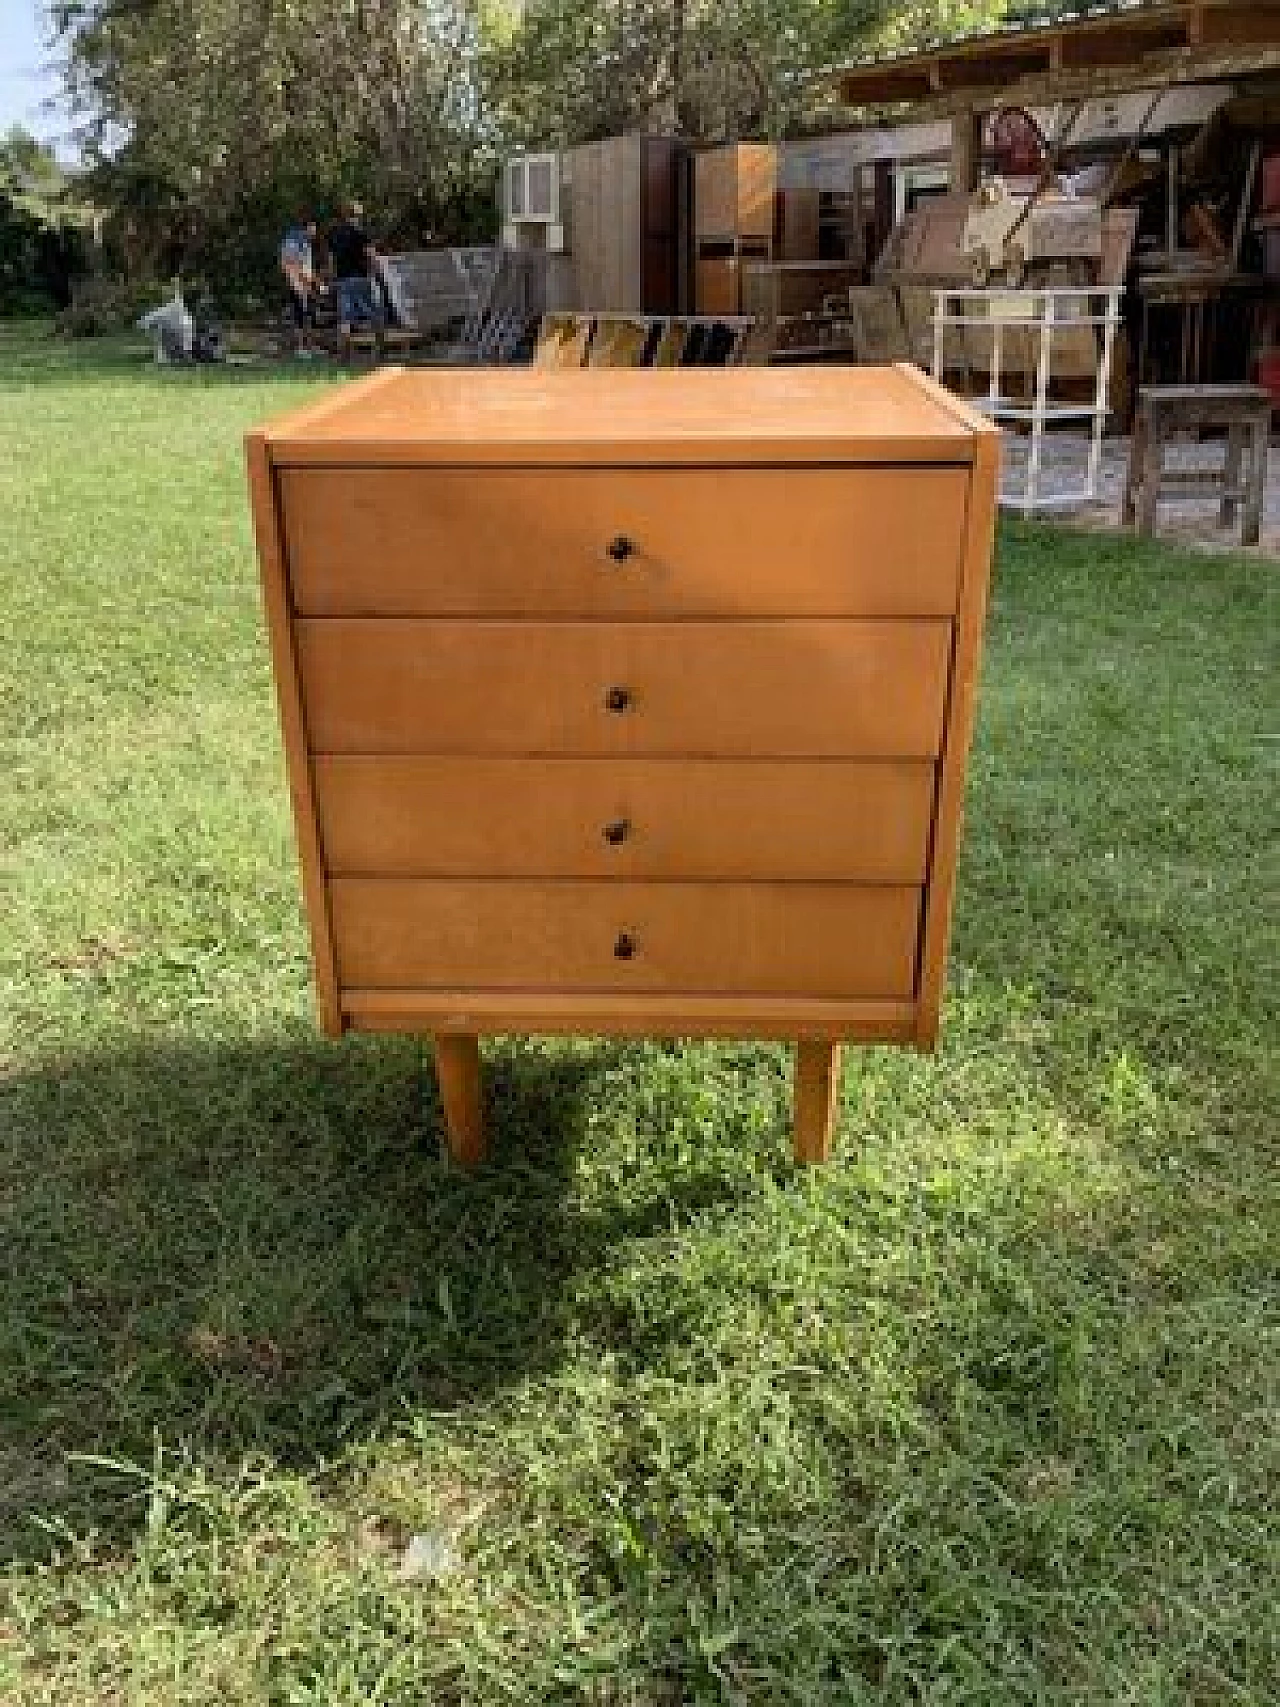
(1039,312)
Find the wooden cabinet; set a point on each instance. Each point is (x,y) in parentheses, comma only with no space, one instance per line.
(628,703)
(735,211)
(735,190)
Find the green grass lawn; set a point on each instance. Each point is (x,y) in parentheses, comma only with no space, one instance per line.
(983,1412)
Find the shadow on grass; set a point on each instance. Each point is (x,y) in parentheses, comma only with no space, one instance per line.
(264,1250)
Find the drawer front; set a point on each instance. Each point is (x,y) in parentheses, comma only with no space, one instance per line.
(873,689)
(811,940)
(833,819)
(698,542)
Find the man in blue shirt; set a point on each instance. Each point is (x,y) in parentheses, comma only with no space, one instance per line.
(297,263)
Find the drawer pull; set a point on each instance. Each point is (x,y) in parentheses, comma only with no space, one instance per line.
(618,699)
(626,947)
(620,548)
(617,832)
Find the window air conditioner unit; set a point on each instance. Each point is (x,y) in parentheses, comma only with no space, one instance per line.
(533,190)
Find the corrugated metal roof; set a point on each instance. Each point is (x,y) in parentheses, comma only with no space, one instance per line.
(1019,24)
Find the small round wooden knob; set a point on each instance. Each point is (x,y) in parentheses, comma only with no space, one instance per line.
(626,947)
(618,699)
(617,832)
(620,548)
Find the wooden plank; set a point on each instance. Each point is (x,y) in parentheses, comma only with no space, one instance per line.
(275,600)
(816,1096)
(412,816)
(461,1097)
(510,542)
(781,939)
(624,220)
(618,417)
(860,689)
(961,712)
(606,225)
(606,1014)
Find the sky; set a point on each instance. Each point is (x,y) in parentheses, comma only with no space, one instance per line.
(25,81)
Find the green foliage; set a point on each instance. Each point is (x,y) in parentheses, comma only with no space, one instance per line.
(42,248)
(234,117)
(569,72)
(103,306)
(981,1414)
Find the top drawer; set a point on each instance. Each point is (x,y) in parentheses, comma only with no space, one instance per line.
(624,543)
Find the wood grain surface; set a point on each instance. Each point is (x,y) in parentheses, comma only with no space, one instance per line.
(415,816)
(866,689)
(833,940)
(691,542)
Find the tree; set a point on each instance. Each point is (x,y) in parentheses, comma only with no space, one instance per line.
(212,120)
(570,71)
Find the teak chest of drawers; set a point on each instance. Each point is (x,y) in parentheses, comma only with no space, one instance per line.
(628,703)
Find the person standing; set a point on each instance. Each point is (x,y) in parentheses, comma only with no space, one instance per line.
(297,263)
(353,257)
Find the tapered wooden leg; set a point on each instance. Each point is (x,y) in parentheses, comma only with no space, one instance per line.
(458,1077)
(817,1089)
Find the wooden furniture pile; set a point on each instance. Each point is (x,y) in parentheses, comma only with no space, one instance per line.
(567,753)
(1168,413)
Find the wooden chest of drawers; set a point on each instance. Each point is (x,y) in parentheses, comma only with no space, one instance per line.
(628,702)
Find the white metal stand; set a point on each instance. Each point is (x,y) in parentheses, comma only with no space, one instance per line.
(1041,311)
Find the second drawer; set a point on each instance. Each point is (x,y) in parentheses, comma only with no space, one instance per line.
(414,816)
(802,689)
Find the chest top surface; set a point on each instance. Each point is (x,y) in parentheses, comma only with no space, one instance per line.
(527,417)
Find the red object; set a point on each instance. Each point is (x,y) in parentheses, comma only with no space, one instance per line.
(1269,373)
(1014,143)
(1271,184)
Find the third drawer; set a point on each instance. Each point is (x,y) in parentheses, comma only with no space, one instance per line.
(408,815)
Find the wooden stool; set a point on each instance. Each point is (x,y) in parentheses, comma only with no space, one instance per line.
(1167,410)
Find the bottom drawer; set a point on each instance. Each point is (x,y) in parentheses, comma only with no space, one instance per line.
(775,939)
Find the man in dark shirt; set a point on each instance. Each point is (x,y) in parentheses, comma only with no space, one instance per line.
(349,245)
(352,255)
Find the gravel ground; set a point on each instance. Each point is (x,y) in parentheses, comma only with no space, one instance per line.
(1186,522)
